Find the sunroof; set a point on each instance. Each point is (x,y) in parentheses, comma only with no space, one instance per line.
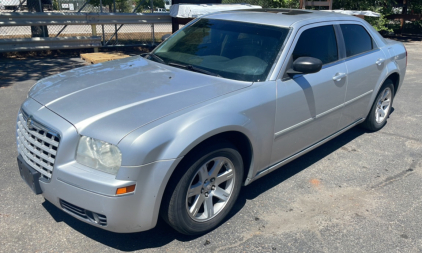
(279,11)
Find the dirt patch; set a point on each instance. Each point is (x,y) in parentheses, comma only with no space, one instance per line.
(315,211)
(322,208)
(414,144)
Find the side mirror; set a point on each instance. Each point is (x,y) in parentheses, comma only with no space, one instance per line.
(165,36)
(305,65)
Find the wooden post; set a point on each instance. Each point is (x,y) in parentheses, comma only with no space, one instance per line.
(404,12)
(301,4)
(94,33)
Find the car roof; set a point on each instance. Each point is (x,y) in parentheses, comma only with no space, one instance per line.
(280,17)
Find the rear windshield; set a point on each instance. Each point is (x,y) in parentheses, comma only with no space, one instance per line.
(234,50)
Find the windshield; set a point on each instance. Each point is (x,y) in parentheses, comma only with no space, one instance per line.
(234,50)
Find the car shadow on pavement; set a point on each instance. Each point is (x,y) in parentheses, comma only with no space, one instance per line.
(18,70)
(163,234)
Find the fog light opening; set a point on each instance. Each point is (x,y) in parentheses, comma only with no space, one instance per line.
(92,216)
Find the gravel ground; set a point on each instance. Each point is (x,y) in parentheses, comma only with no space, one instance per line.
(360,192)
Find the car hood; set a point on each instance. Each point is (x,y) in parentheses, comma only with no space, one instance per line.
(109,100)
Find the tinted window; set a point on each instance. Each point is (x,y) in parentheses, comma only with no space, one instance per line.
(234,50)
(319,42)
(357,39)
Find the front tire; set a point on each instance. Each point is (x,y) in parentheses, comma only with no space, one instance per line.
(201,197)
(377,117)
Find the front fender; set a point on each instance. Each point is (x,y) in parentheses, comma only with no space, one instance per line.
(250,111)
(173,137)
(177,137)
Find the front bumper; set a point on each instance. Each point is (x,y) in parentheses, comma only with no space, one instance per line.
(133,212)
(90,195)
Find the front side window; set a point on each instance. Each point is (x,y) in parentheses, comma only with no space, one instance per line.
(356,39)
(234,50)
(318,42)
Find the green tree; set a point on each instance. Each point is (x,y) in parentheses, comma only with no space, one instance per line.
(146,5)
(107,3)
(285,3)
(121,5)
(124,6)
(55,5)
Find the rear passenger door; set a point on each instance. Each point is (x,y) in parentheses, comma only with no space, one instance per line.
(365,63)
(309,105)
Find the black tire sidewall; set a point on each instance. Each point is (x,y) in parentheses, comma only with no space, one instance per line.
(178,216)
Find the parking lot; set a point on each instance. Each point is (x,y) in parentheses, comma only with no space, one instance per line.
(360,192)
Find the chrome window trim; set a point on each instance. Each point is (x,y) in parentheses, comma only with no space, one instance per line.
(278,57)
(281,74)
(375,45)
(361,54)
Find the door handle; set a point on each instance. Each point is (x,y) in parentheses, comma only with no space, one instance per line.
(380,61)
(339,76)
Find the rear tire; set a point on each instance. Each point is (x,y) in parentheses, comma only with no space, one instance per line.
(380,110)
(199,198)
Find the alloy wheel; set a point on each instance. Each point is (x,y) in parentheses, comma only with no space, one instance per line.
(383,106)
(210,189)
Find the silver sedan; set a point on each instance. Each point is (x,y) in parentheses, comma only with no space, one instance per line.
(224,101)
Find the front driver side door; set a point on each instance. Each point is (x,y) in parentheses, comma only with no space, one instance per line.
(308,106)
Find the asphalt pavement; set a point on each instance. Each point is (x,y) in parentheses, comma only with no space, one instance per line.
(360,192)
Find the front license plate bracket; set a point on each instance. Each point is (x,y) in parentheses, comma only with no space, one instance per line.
(29,175)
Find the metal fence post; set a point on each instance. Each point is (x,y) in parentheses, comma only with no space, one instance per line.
(41,10)
(102,26)
(152,25)
(115,25)
(94,33)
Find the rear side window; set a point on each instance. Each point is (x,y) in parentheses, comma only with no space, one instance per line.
(357,39)
(318,42)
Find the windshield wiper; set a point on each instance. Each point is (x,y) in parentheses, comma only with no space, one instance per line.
(156,57)
(193,68)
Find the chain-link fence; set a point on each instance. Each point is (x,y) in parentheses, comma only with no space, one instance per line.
(112,34)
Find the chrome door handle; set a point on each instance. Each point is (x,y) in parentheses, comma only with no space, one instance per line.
(380,61)
(339,76)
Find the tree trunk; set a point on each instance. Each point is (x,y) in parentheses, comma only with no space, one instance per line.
(37,31)
(404,11)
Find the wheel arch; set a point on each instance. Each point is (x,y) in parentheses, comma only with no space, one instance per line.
(394,76)
(237,138)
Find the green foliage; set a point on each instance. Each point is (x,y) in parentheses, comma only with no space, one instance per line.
(380,24)
(284,3)
(121,5)
(108,3)
(55,5)
(146,5)
(124,6)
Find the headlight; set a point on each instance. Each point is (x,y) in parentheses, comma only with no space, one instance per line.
(99,155)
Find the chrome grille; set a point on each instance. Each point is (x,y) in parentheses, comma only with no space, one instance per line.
(37,144)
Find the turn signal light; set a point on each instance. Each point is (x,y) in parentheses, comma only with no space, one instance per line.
(126,189)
